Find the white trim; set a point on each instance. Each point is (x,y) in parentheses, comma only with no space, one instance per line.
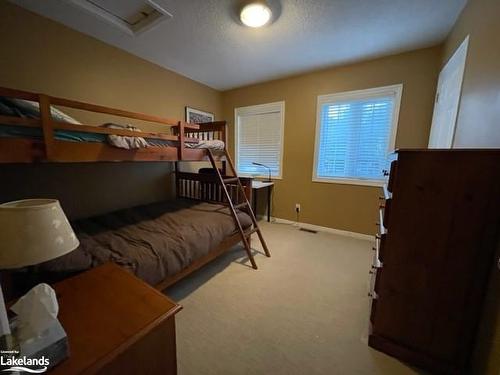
(258,176)
(340,232)
(350,181)
(258,110)
(460,53)
(396,90)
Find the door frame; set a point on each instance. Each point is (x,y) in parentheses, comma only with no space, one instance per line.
(460,52)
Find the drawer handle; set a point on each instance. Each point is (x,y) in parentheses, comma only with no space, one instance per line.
(373,295)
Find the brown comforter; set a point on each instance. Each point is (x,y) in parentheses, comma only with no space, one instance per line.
(154,241)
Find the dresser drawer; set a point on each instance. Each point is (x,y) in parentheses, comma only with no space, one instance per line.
(384,209)
(375,276)
(392,176)
(387,194)
(372,280)
(373,310)
(374,291)
(385,213)
(379,248)
(380,223)
(373,295)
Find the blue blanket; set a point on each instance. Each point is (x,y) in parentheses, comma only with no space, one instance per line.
(62,135)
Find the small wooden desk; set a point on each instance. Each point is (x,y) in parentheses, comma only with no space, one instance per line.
(116,324)
(256,185)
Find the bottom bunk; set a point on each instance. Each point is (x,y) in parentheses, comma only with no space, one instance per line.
(159,242)
(156,242)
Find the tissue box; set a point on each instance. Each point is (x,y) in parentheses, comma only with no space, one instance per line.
(51,344)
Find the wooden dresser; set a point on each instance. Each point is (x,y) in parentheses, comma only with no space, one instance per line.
(439,226)
(116,324)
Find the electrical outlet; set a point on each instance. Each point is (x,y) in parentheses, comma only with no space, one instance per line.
(297,207)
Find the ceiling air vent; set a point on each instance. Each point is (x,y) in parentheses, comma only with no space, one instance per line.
(130,16)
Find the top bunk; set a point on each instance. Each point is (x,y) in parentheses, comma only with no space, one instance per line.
(34,129)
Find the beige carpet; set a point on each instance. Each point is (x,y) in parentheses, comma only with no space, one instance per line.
(304,311)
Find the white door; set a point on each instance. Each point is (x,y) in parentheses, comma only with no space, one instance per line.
(447,101)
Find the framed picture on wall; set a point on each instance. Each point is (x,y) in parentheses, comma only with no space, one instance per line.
(196,116)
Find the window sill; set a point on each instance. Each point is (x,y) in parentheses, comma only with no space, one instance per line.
(350,181)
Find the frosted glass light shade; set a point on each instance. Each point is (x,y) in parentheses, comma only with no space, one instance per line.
(255,14)
(33,231)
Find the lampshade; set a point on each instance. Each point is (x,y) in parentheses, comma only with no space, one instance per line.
(33,231)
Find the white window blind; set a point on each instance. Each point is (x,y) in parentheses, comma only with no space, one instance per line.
(355,133)
(259,139)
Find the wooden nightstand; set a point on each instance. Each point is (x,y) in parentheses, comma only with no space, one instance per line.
(116,324)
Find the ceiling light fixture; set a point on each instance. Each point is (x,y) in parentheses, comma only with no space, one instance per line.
(255,14)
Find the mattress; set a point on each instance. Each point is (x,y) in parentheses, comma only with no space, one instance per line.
(62,135)
(30,109)
(65,135)
(153,241)
(9,131)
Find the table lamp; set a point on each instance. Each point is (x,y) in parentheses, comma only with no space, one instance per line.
(268,169)
(32,231)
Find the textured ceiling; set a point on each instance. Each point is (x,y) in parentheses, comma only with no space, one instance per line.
(205,41)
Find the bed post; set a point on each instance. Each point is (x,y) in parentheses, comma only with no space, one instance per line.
(181,141)
(224,169)
(48,130)
(223,132)
(248,190)
(177,182)
(223,138)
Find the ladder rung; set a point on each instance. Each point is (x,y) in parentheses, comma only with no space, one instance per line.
(241,205)
(229,180)
(249,232)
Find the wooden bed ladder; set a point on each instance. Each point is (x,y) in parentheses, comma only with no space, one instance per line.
(245,234)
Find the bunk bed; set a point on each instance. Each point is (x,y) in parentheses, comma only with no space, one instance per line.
(46,139)
(204,202)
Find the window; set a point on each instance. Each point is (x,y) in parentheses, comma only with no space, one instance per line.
(355,132)
(259,139)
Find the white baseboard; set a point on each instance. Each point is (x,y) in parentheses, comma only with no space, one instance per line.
(318,228)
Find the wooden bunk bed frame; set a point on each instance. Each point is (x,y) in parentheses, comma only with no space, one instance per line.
(196,186)
(50,149)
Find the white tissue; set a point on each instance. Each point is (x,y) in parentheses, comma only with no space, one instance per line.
(36,311)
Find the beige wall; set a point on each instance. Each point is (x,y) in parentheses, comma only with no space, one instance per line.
(347,207)
(88,189)
(478,125)
(478,122)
